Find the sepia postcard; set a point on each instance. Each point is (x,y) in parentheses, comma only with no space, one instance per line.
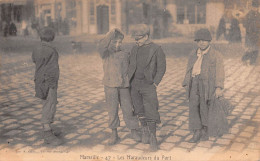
(129,80)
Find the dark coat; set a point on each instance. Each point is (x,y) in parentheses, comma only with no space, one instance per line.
(252,25)
(45,57)
(156,64)
(212,72)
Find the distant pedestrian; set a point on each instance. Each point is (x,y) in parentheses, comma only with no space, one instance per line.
(146,70)
(45,57)
(252,24)
(235,32)
(116,82)
(6,28)
(204,82)
(12,29)
(229,28)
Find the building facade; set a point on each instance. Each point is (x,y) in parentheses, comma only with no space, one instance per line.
(18,12)
(83,16)
(189,15)
(99,16)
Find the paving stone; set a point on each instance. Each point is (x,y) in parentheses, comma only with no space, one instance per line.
(8,121)
(69,136)
(83,137)
(186,145)
(223,141)
(254,145)
(237,147)
(13,133)
(246,134)
(173,139)
(181,132)
(167,146)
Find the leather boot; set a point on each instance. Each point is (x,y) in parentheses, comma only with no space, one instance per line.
(196,136)
(153,139)
(50,138)
(135,135)
(114,137)
(145,135)
(145,130)
(204,134)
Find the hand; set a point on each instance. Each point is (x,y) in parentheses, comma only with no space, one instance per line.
(219,92)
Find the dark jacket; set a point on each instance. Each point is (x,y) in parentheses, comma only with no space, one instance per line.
(45,57)
(156,64)
(212,72)
(252,25)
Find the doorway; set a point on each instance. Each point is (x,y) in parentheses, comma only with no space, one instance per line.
(102,19)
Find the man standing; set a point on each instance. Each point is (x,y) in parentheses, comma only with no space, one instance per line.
(252,25)
(146,70)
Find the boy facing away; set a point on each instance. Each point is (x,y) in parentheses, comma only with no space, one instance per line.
(116,84)
(45,57)
(204,81)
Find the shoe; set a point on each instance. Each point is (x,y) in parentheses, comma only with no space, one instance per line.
(114,139)
(135,135)
(56,132)
(50,138)
(196,137)
(153,143)
(145,135)
(204,134)
(152,138)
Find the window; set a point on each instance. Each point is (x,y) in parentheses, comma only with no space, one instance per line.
(191,12)
(92,11)
(113,7)
(17,12)
(113,11)
(71,13)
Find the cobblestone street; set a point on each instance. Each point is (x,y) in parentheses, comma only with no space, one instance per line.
(82,117)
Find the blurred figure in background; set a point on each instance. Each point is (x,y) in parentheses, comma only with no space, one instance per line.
(229,28)
(251,23)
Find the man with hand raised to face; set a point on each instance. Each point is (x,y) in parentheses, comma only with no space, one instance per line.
(204,81)
(146,69)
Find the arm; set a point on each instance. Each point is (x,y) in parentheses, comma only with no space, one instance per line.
(104,44)
(220,76)
(161,66)
(220,73)
(188,70)
(52,70)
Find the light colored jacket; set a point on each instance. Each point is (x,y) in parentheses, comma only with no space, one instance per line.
(115,64)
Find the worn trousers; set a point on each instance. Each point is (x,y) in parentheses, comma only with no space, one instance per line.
(49,107)
(145,100)
(120,96)
(198,108)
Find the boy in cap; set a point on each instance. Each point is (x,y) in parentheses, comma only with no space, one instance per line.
(116,82)
(146,70)
(45,57)
(203,81)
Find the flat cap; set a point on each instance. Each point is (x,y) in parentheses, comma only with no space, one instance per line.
(47,33)
(140,30)
(203,34)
